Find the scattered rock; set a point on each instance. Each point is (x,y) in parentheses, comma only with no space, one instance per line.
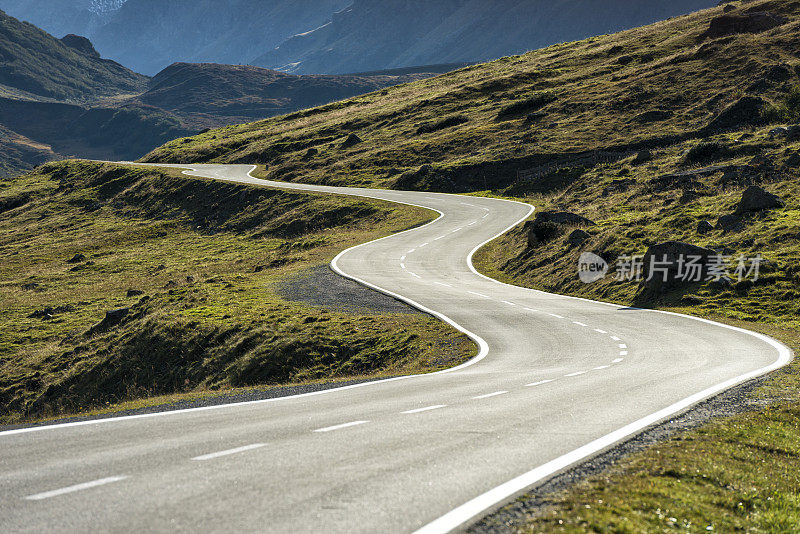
(310,153)
(170,284)
(50,312)
(424,170)
(542,232)
(729,223)
(82,267)
(190,279)
(642,157)
(534,117)
(748,110)
(655,115)
(704,227)
(794,160)
(351,141)
(689,195)
(578,237)
(780,131)
(779,73)
(757,22)
(134,293)
(31,286)
(77,258)
(756,199)
(112,318)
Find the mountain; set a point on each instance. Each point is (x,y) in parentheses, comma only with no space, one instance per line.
(222,93)
(62,17)
(59,98)
(149,35)
(36,63)
(380,34)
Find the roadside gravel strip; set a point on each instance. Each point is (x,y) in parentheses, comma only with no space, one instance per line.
(557,380)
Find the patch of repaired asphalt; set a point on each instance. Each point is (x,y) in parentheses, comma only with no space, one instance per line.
(215,400)
(321,286)
(512,516)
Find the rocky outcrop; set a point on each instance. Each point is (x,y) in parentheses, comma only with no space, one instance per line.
(755,199)
(81,44)
(666,265)
(732,24)
(748,110)
(549,225)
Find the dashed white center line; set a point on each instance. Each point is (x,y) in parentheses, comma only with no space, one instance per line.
(339,427)
(220,454)
(426,409)
(402,265)
(443,284)
(412,251)
(423,245)
(618,360)
(601,367)
(556,316)
(457,230)
(623,353)
(578,373)
(600,331)
(485,216)
(403,258)
(481,295)
(539,383)
(473,222)
(470,205)
(415,275)
(507,302)
(623,346)
(531,310)
(579,323)
(440,237)
(615,338)
(73,489)
(495,394)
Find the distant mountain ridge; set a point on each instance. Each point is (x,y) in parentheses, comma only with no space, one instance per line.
(372,34)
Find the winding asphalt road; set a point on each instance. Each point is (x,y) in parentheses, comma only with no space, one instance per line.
(557,379)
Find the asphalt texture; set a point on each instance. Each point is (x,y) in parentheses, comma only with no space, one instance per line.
(557,381)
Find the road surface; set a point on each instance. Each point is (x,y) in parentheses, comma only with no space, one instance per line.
(557,380)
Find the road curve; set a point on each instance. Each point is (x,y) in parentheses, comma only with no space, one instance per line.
(557,380)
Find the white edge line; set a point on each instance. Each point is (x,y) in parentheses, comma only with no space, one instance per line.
(477,506)
(73,489)
(228,452)
(469,510)
(483,347)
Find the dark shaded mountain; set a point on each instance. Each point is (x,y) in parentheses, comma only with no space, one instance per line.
(59,98)
(219,93)
(381,34)
(61,17)
(35,62)
(149,35)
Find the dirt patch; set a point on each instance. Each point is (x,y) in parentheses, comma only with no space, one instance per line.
(320,286)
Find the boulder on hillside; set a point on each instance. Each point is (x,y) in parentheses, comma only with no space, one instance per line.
(666,265)
(704,227)
(756,199)
(655,115)
(730,24)
(748,110)
(578,237)
(81,44)
(351,141)
(548,225)
(729,223)
(112,319)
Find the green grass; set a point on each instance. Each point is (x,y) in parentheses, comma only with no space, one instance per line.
(208,257)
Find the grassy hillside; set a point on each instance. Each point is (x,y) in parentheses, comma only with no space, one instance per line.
(198,265)
(651,86)
(656,134)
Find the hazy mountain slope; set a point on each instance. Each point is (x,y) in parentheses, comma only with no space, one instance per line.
(227,91)
(34,61)
(149,35)
(60,17)
(373,35)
